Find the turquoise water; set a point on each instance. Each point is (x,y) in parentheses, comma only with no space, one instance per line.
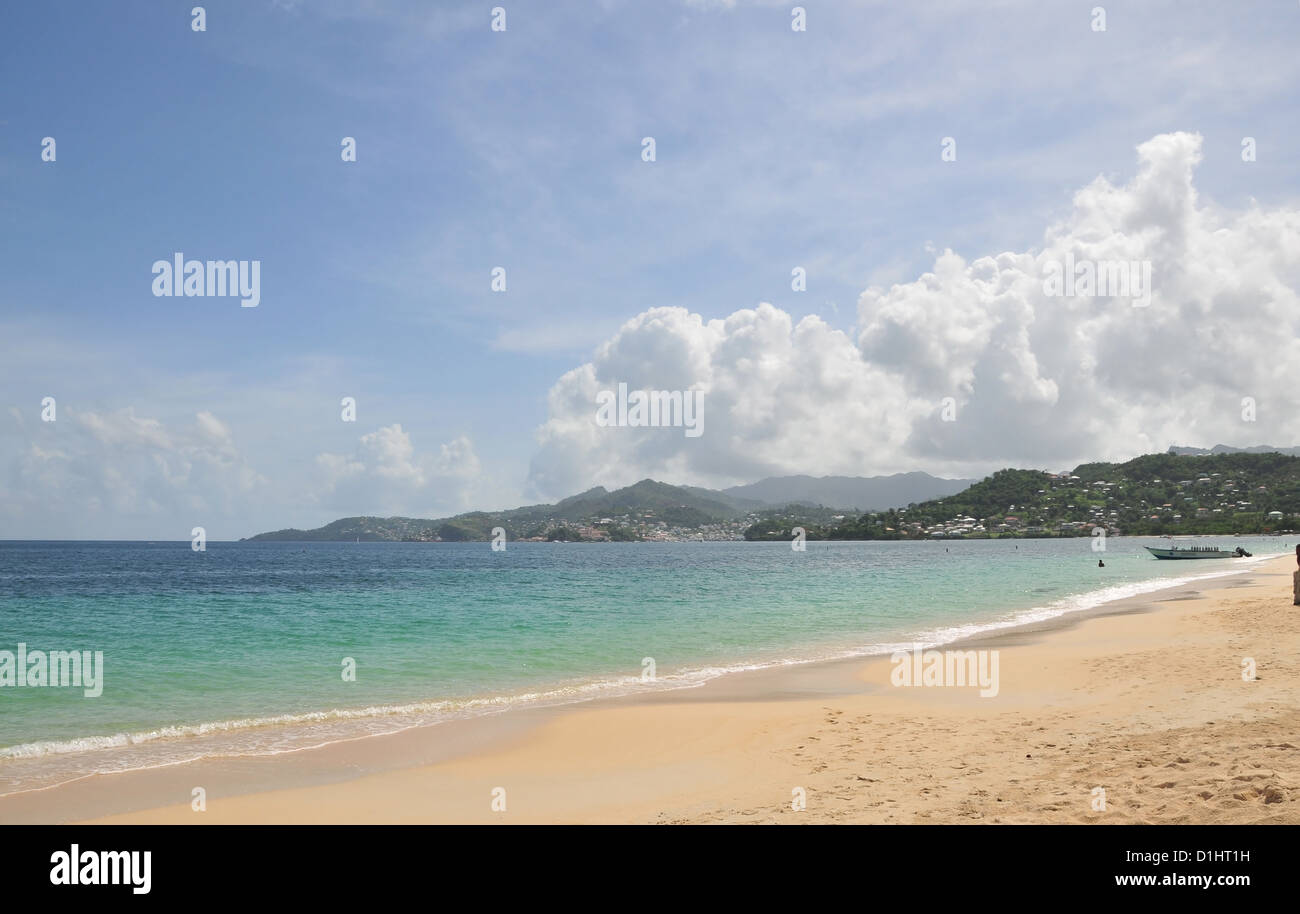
(240,649)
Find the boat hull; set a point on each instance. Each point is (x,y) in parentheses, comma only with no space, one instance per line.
(1189,553)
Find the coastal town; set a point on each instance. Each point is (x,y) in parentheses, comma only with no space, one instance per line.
(1152,495)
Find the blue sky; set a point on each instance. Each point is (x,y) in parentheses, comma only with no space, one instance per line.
(521,149)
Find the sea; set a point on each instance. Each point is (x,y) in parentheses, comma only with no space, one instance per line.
(263,648)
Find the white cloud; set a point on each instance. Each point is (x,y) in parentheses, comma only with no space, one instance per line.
(1036,378)
(767,384)
(551,336)
(386,474)
(94,472)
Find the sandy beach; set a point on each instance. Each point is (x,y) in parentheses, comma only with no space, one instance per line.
(1143,699)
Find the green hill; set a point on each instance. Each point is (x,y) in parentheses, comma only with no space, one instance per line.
(1155,494)
(1158,494)
(620,514)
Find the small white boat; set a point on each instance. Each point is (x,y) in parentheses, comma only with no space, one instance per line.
(1195,552)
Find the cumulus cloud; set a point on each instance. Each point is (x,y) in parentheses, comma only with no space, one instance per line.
(386,474)
(87,468)
(766,383)
(93,474)
(1034,378)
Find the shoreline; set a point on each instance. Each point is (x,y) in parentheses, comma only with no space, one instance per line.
(341,778)
(557,695)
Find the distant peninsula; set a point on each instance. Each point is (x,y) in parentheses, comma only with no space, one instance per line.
(648,510)
(1223,492)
